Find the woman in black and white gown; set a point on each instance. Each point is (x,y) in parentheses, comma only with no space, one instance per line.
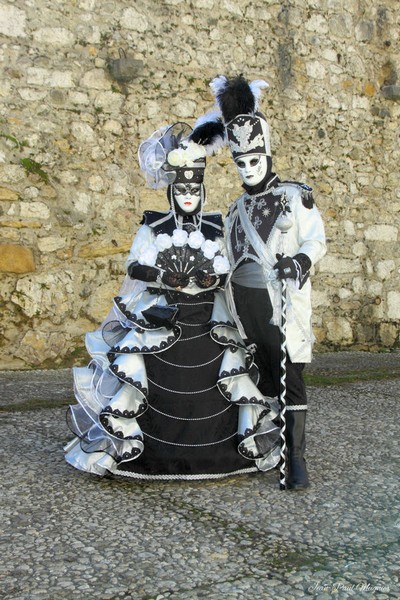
(170,391)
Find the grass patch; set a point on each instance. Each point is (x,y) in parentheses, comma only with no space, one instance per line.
(324,379)
(35,404)
(31,166)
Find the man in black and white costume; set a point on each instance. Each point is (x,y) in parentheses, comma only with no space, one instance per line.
(261,255)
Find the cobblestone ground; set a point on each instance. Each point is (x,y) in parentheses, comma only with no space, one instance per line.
(67,535)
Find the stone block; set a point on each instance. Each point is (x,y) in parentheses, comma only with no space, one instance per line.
(381,233)
(96,183)
(11,174)
(341,25)
(113,127)
(133,20)
(12,21)
(153,109)
(101,300)
(46,77)
(90,33)
(109,102)
(39,346)
(374,288)
(54,36)
(79,98)
(233,8)
(360,103)
(83,132)
(105,248)
(369,89)
(391,92)
(96,79)
(34,210)
(315,70)
(51,243)
(64,145)
(366,334)
(364,31)
(184,108)
(260,12)
(349,227)
(336,265)
(319,298)
(389,334)
(47,295)
(16,259)
(110,208)
(8,195)
(330,54)
(359,249)
(345,293)
(393,305)
(32,95)
(65,253)
(339,331)
(82,202)
(384,268)
(319,336)
(20,224)
(11,234)
(317,23)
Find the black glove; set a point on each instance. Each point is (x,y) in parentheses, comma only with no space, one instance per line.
(205,280)
(305,263)
(208,132)
(175,279)
(222,279)
(142,272)
(286,267)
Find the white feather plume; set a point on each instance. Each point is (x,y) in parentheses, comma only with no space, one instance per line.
(218,143)
(256,87)
(211,115)
(218,84)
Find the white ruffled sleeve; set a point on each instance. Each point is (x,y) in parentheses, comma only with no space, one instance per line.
(142,240)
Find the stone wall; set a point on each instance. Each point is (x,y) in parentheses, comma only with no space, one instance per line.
(72,195)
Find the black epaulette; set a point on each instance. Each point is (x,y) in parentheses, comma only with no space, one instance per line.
(160,221)
(307,197)
(151,216)
(212,225)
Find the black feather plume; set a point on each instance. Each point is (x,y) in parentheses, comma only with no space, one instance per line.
(235,98)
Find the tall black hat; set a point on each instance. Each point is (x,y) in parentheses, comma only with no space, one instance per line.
(247,130)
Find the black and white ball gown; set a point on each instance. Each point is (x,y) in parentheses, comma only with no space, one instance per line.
(172,401)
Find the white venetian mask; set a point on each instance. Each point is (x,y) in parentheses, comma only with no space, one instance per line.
(187,196)
(252,168)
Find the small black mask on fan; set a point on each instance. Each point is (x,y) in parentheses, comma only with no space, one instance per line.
(161,316)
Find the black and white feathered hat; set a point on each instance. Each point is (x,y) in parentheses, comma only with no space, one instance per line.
(177,153)
(247,130)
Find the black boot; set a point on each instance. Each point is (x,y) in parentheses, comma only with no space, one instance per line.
(297,476)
